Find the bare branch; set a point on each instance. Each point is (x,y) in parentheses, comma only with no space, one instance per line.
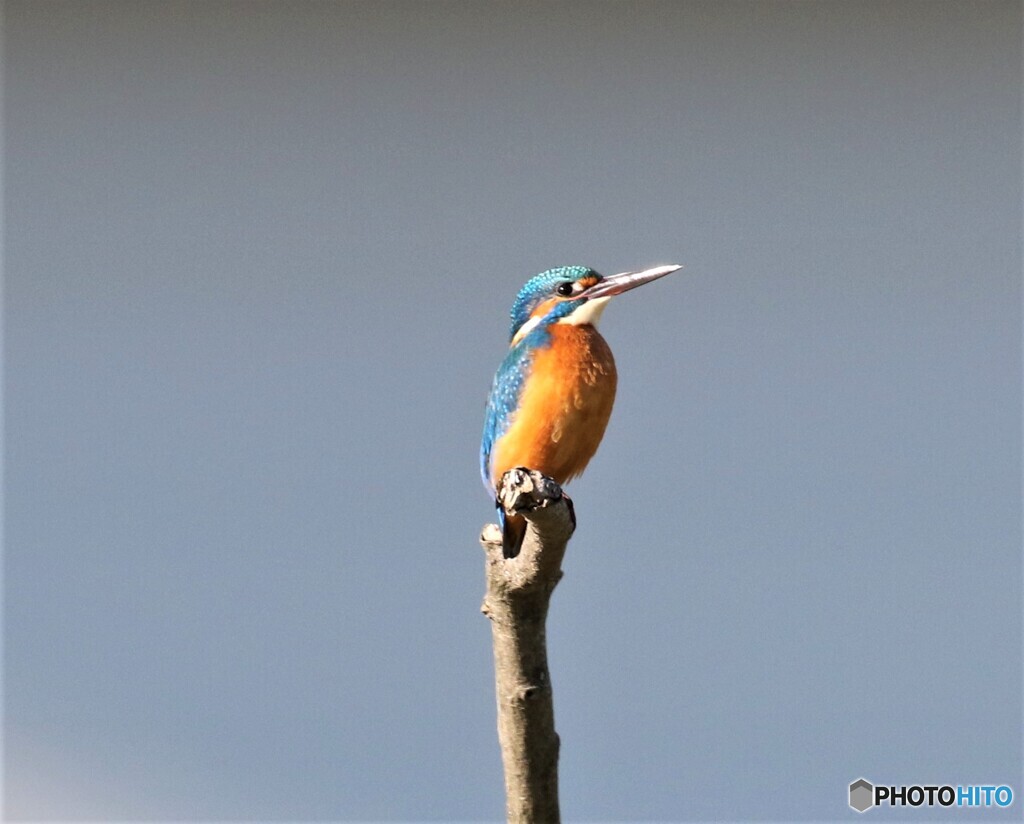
(518,594)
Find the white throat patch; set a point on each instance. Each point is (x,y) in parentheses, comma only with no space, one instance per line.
(589,312)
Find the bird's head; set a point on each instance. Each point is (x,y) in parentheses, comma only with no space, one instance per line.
(572,294)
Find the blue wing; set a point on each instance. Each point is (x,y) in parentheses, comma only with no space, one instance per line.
(503,402)
(501,409)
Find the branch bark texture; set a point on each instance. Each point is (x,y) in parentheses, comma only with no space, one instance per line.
(518,594)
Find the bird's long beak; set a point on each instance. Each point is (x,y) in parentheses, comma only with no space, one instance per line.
(617,284)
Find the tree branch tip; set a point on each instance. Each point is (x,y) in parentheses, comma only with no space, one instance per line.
(490,534)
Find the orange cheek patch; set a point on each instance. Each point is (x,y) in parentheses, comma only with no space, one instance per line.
(543,308)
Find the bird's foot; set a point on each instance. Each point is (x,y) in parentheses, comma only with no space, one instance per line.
(524,490)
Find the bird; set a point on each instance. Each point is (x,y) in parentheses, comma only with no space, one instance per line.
(552,396)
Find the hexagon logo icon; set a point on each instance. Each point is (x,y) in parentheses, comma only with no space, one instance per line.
(862,795)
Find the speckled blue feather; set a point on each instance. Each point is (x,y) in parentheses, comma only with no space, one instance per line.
(505,392)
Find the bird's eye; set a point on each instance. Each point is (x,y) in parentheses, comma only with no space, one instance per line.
(565,289)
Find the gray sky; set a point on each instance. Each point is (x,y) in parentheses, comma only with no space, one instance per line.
(258,263)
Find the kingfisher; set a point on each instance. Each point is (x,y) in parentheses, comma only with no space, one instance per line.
(553,393)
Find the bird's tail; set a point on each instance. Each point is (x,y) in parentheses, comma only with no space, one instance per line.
(513,531)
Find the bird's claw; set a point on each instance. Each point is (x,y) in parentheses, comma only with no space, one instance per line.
(523,490)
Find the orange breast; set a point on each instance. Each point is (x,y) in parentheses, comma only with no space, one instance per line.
(564,407)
